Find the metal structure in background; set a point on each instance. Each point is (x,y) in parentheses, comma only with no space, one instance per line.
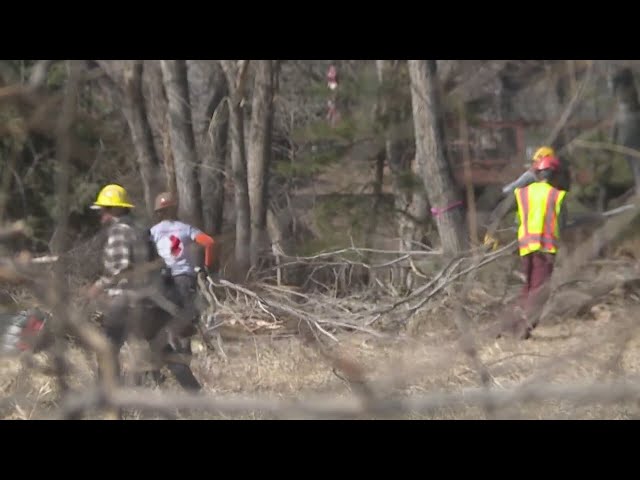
(493,163)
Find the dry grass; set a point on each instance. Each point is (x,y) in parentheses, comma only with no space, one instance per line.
(405,365)
(598,344)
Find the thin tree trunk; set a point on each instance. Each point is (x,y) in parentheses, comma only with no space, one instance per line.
(169,165)
(63,132)
(259,153)
(468,179)
(377,199)
(238,166)
(214,178)
(409,198)
(136,115)
(174,74)
(158,117)
(236,75)
(379,113)
(438,181)
(627,123)
(208,91)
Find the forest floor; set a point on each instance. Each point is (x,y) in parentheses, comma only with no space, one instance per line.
(600,344)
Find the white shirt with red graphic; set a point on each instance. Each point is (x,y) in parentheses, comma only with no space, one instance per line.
(174,242)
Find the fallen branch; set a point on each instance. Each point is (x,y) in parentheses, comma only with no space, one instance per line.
(489,259)
(352,407)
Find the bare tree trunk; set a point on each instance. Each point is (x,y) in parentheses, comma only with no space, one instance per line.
(441,190)
(129,88)
(380,112)
(63,134)
(208,90)
(410,203)
(372,226)
(169,165)
(468,180)
(259,153)
(174,74)
(236,75)
(627,122)
(158,116)
(214,179)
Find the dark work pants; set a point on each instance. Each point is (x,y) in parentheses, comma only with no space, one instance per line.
(185,296)
(537,268)
(124,318)
(186,287)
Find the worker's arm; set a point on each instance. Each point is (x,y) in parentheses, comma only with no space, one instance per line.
(208,243)
(564,216)
(523,180)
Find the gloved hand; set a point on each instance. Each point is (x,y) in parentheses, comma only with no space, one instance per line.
(202,270)
(490,240)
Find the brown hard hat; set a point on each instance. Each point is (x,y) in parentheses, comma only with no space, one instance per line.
(164,200)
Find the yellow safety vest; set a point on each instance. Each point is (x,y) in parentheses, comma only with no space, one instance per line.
(539,210)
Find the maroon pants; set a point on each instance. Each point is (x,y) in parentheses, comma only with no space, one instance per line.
(537,268)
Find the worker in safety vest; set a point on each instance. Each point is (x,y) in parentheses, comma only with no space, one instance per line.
(541,215)
(562,180)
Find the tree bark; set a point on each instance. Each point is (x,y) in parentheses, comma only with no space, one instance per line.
(410,203)
(171,184)
(259,154)
(141,131)
(627,122)
(208,90)
(436,175)
(174,74)
(129,87)
(213,192)
(158,116)
(236,75)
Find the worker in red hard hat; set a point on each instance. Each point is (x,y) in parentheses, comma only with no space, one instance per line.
(174,241)
(561,175)
(541,216)
(561,179)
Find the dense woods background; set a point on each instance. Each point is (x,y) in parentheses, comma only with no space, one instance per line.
(360,181)
(266,152)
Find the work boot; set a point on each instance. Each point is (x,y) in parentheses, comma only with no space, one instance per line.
(524,329)
(511,323)
(185,377)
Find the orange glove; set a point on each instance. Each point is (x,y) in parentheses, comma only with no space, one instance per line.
(208,243)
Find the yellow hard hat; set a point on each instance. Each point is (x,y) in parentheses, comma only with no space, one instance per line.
(112,196)
(543,152)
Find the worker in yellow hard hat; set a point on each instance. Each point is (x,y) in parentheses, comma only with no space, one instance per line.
(542,216)
(528,177)
(112,196)
(122,247)
(126,311)
(541,153)
(114,207)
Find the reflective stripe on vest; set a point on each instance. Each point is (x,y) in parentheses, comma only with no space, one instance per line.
(539,207)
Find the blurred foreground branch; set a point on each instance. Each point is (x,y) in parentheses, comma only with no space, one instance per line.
(352,407)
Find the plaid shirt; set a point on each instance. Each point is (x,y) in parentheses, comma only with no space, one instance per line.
(118,255)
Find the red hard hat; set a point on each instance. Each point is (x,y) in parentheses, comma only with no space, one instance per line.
(550,162)
(164,200)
